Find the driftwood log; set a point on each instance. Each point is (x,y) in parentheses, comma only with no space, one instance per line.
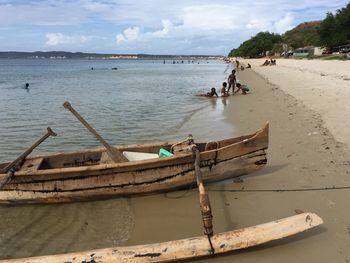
(189,248)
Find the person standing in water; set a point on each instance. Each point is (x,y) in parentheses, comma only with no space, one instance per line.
(231,81)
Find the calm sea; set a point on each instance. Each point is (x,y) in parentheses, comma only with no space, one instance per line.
(140,101)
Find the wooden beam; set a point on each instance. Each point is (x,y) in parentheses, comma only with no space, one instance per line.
(189,248)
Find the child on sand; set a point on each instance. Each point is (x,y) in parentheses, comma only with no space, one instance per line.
(224,92)
(211,93)
(242,88)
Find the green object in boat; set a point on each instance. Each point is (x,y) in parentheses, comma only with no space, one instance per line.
(164,153)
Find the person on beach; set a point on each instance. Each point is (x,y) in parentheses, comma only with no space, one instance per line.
(237,64)
(242,88)
(249,66)
(224,92)
(266,63)
(231,81)
(211,93)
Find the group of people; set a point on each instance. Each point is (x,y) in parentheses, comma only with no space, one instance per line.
(225,91)
(271,62)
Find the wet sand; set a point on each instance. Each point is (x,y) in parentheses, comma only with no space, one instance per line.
(302,154)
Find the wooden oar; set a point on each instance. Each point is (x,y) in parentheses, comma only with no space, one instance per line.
(204,201)
(113,153)
(13,166)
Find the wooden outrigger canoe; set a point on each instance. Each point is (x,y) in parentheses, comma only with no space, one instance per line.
(91,174)
(189,248)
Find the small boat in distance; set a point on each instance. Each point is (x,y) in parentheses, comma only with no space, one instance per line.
(92,174)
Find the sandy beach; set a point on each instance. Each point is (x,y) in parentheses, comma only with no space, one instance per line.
(323,86)
(304,154)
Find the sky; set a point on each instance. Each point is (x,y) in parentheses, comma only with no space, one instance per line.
(198,27)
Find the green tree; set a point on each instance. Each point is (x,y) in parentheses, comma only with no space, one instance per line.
(328,30)
(335,29)
(305,34)
(257,45)
(343,21)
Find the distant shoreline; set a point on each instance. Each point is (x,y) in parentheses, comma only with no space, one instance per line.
(81,55)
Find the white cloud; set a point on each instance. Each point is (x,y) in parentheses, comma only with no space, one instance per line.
(55,39)
(129,34)
(155,25)
(133,34)
(284,24)
(211,17)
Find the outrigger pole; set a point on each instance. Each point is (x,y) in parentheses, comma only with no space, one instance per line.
(204,201)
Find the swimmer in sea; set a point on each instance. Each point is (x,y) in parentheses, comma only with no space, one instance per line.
(211,93)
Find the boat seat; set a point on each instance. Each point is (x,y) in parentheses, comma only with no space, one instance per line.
(211,146)
(31,165)
(182,149)
(139,156)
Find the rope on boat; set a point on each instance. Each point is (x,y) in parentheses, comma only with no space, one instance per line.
(204,201)
(282,190)
(189,140)
(180,195)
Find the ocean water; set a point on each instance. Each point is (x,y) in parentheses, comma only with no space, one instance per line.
(142,101)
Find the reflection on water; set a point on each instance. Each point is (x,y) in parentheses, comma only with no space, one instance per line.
(50,229)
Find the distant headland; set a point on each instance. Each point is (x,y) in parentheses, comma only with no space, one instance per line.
(81,55)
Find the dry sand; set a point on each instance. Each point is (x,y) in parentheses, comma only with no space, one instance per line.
(303,154)
(324,86)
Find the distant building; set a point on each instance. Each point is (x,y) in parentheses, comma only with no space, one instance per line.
(308,51)
(303,52)
(318,51)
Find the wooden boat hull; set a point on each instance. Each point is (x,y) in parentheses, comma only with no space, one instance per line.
(189,248)
(230,158)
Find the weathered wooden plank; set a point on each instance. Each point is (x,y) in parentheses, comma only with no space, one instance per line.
(189,248)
